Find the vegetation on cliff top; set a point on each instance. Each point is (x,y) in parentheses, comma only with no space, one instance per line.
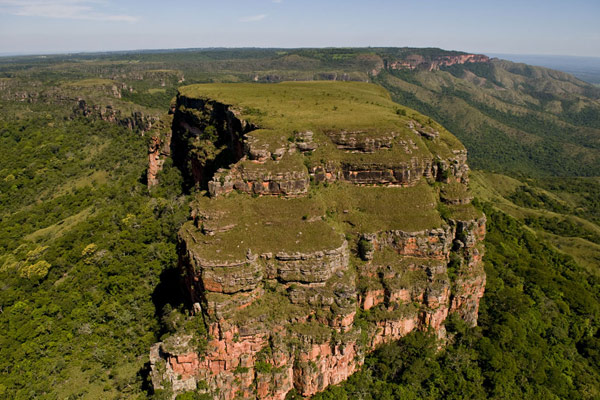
(238,222)
(537,335)
(280,111)
(81,327)
(84,252)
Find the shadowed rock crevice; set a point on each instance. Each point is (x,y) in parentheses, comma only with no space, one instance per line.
(207,135)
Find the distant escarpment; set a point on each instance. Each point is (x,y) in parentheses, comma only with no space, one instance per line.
(136,120)
(418,61)
(328,220)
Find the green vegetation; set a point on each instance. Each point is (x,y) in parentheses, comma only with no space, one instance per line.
(92,82)
(463,212)
(537,335)
(511,118)
(564,227)
(372,209)
(307,224)
(269,310)
(326,108)
(364,248)
(561,211)
(263,224)
(317,331)
(454,191)
(87,256)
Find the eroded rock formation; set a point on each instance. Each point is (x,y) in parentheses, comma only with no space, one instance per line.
(417,61)
(135,120)
(318,235)
(159,148)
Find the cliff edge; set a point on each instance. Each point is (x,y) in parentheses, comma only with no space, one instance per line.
(328,220)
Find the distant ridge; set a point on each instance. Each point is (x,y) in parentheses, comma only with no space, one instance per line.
(585,68)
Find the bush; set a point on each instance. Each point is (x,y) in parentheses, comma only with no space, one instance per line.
(365,248)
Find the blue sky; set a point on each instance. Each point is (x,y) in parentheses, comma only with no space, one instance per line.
(522,27)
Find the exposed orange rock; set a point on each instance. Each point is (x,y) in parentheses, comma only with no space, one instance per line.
(419,62)
(280,318)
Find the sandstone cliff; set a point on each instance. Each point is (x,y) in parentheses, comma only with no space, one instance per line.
(417,61)
(329,220)
(135,120)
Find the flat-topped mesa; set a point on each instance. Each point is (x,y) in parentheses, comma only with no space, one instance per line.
(325,199)
(273,140)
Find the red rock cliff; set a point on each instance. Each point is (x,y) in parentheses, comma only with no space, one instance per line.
(296,284)
(419,62)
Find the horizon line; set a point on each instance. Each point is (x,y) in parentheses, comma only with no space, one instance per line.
(181,49)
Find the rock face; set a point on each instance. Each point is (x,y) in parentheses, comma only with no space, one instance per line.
(417,61)
(159,148)
(136,120)
(316,237)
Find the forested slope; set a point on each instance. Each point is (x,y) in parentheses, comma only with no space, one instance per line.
(87,254)
(83,246)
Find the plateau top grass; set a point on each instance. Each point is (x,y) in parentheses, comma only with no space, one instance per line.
(306,105)
(374,208)
(307,224)
(262,225)
(365,110)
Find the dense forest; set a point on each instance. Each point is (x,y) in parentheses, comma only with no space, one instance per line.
(84,247)
(88,260)
(537,335)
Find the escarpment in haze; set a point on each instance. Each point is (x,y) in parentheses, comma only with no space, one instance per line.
(418,61)
(328,220)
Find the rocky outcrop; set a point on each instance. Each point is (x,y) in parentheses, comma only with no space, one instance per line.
(155,162)
(405,286)
(159,149)
(402,174)
(416,61)
(252,179)
(292,293)
(137,120)
(407,173)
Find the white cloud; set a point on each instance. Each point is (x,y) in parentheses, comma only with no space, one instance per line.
(277,1)
(64,9)
(253,18)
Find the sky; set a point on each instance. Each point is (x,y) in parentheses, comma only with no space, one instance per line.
(482,26)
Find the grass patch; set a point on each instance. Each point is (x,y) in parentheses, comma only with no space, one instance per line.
(364,110)
(585,253)
(316,222)
(313,329)
(264,224)
(464,212)
(373,209)
(93,179)
(60,228)
(454,191)
(272,308)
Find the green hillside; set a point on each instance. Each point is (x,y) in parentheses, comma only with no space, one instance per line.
(88,258)
(512,117)
(84,250)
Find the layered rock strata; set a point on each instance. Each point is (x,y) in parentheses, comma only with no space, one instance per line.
(318,235)
(136,120)
(159,148)
(416,61)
